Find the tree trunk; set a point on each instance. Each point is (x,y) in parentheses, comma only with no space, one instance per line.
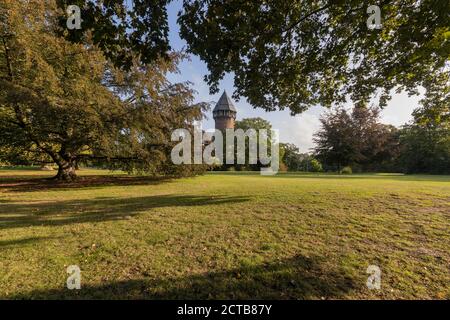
(66,172)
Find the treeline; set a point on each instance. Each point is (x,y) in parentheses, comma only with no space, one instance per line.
(100,95)
(356,141)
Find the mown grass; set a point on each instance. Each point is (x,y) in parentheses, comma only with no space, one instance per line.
(225,235)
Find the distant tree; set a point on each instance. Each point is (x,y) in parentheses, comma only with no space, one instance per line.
(292,157)
(425,143)
(297,161)
(253,123)
(376,144)
(356,138)
(334,142)
(315,165)
(64,103)
(386,159)
(256,124)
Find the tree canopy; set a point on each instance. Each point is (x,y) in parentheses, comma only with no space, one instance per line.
(355,138)
(286,54)
(295,54)
(425,142)
(252,124)
(122,29)
(294,160)
(63,102)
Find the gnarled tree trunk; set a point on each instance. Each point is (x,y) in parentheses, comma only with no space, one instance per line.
(66,171)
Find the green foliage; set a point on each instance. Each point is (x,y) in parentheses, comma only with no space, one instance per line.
(426,142)
(296,161)
(315,166)
(120,30)
(246,124)
(359,140)
(253,123)
(356,137)
(284,54)
(346,170)
(296,54)
(65,103)
(292,157)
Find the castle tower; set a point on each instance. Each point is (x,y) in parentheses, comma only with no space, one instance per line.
(224,113)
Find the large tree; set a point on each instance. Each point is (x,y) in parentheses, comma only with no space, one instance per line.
(292,157)
(286,54)
(355,138)
(256,124)
(425,142)
(64,103)
(122,29)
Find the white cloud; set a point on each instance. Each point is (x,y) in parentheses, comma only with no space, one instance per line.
(399,109)
(299,130)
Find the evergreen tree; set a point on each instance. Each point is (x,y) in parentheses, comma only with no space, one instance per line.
(64,102)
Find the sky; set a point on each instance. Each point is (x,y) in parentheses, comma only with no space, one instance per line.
(298,129)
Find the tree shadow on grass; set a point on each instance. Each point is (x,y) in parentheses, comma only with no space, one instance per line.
(332,176)
(16,215)
(20,243)
(298,277)
(29,184)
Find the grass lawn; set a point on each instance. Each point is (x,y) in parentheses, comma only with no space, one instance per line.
(225,235)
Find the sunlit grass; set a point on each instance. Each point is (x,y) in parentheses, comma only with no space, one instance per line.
(226,235)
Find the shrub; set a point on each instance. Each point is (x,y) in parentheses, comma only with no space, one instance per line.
(316,166)
(346,170)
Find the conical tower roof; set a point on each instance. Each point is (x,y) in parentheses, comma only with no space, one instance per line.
(225,103)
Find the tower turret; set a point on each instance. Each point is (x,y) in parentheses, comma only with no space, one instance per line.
(224,113)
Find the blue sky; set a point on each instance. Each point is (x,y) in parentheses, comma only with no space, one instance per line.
(294,129)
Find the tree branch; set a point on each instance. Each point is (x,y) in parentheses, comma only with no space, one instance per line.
(307,16)
(8,61)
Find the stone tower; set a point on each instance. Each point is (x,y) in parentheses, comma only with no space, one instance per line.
(224,113)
